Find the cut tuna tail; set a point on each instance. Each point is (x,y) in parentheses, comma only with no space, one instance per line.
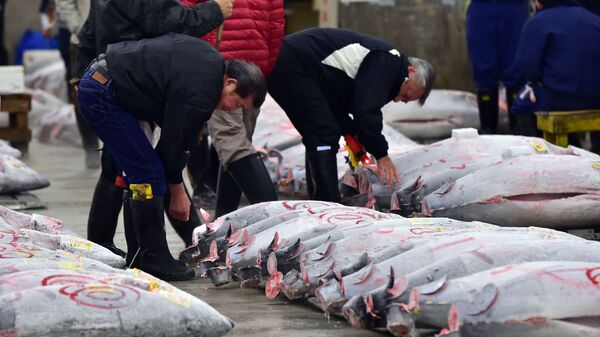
(273,285)
(355,312)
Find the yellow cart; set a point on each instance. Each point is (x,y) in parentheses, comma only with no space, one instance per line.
(557,125)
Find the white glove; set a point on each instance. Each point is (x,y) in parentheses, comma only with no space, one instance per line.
(528,91)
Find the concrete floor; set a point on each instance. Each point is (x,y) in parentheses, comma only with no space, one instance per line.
(68,198)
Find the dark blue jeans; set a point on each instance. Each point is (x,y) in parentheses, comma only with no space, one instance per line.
(121,133)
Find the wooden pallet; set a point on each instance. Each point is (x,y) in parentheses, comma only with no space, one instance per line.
(557,125)
(17,132)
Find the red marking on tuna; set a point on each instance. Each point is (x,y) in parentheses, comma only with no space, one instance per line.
(594,276)
(460,167)
(485,258)
(102,296)
(67,279)
(304,204)
(454,243)
(442,160)
(502,270)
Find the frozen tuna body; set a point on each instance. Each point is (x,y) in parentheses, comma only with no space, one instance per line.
(333,294)
(15,176)
(5,148)
(108,305)
(534,299)
(34,221)
(389,238)
(240,219)
(545,190)
(444,110)
(68,243)
(247,253)
(485,257)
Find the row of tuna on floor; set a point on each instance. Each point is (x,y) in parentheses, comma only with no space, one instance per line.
(53,283)
(411,276)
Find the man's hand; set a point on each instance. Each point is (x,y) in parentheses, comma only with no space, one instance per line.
(180,204)
(387,170)
(226,7)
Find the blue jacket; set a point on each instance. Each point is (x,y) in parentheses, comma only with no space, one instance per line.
(560,48)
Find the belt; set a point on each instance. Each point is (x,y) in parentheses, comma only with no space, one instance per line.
(100,70)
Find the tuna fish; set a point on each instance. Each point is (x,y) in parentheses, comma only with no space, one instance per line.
(41,223)
(242,218)
(388,238)
(15,176)
(273,127)
(444,111)
(244,257)
(68,243)
(425,169)
(102,304)
(5,148)
(364,311)
(549,299)
(546,190)
(332,294)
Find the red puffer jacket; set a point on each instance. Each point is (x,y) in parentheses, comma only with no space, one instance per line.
(254,32)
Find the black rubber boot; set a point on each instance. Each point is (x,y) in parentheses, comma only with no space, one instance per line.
(511,95)
(228,194)
(155,257)
(323,169)
(184,229)
(310,188)
(133,253)
(104,215)
(488,111)
(253,179)
(526,125)
(201,174)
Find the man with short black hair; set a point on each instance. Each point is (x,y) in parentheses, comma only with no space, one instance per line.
(175,81)
(322,75)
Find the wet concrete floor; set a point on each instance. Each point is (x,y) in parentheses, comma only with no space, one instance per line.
(68,198)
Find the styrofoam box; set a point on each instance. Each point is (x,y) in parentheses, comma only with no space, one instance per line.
(12,80)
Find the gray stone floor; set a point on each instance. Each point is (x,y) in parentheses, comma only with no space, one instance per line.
(68,198)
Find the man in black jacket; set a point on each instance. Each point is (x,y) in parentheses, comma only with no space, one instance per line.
(112,21)
(175,81)
(340,72)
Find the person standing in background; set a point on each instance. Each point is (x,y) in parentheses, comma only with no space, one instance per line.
(254,33)
(74,13)
(493,30)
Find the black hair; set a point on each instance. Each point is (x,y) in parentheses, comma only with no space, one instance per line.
(251,81)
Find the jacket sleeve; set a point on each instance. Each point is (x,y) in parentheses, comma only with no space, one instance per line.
(87,43)
(276,31)
(178,132)
(373,84)
(529,61)
(159,17)
(70,14)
